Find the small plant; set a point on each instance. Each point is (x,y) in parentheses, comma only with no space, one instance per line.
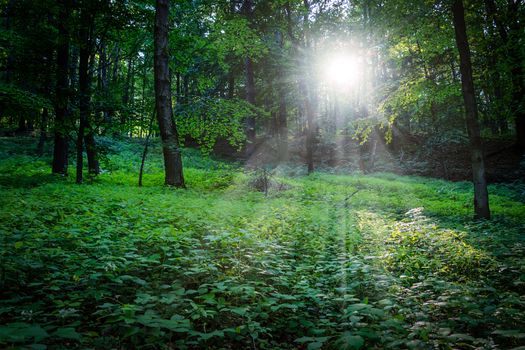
(264,179)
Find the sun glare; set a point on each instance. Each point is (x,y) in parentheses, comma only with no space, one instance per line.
(342,70)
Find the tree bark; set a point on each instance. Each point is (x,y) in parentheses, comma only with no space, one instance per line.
(127,97)
(91,151)
(60,147)
(43,128)
(104,86)
(309,90)
(167,126)
(231,84)
(481,198)
(250,98)
(309,133)
(85,133)
(250,89)
(83,87)
(89,139)
(145,152)
(282,126)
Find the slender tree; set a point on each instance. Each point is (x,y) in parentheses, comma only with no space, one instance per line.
(168,130)
(250,88)
(481,197)
(282,125)
(60,148)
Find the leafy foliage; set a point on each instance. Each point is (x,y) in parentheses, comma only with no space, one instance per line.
(208,120)
(220,265)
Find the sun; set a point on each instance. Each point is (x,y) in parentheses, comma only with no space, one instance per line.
(342,70)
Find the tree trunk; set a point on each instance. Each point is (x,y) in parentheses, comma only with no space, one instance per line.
(250,98)
(43,127)
(309,133)
(282,126)
(83,87)
(116,58)
(231,84)
(126,96)
(60,147)
(309,90)
(22,128)
(104,86)
(177,87)
(250,89)
(89,139)
(481,198)
(168,130)
(91,151)
(85,132)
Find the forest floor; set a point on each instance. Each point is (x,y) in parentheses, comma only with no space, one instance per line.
(327,261)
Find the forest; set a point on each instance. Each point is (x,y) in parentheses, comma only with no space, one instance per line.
(262,174)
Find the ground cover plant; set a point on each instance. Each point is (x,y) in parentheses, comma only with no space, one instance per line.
(320,261)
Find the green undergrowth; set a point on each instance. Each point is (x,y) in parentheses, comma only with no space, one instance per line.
(322,261)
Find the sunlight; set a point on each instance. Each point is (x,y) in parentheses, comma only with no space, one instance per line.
(342,70)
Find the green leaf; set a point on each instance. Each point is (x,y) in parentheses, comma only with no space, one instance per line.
(459,336)
(241,311)
(210,335)
(67,333)
(21,332)
(315,345)
(512,333)
(348,341)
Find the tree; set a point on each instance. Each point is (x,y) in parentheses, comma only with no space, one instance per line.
(250,88)
(481,198)
(168,130)
(60,148)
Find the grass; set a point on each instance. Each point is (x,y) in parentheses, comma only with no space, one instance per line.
(323,261)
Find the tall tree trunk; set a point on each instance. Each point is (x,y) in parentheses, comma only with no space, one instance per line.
(104,86)
(250,89)
(143,104)
(168,130)
(22,127)
(177,87)
(282,115)
(310,135)
(250,98)
(91,150)
(231,83)
(60,147)
(282,125)
(481,198)
(89,139)
(44,116)
(85,132)
(43,126)
(83,87)
(113,80)
(310,103)
(126,96)
(116,58)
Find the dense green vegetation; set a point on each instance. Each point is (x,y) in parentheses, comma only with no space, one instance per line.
(262,174)
(320,261)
